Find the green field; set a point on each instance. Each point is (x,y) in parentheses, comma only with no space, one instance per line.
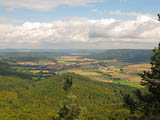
(127,82)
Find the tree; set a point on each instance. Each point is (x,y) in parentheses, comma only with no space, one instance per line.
(158,17)
(151,80)
(67,83)
(149,103)
(70,110)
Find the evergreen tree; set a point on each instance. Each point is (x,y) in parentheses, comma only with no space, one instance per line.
(151,80)
(158,17)
(148,104)
(70,110)
(67,83)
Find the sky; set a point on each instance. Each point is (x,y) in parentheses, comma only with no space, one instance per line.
(79,24)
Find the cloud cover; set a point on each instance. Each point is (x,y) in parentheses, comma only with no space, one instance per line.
(44,4)
(82,33)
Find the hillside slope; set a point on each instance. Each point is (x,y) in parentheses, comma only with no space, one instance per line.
(7,70)
(42,100)
(124,55)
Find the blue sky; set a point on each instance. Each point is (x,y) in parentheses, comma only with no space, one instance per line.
(66,11)
(26,15)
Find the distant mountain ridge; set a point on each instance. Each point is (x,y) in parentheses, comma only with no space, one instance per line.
(10,50)
(124,55)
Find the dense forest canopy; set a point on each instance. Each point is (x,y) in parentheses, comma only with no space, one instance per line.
(7,70)
(28,56)
(21,99)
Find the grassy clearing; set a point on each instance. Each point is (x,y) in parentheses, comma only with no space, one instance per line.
(134,84)
(120,81)
(127,82)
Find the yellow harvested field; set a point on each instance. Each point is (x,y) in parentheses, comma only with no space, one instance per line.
(37,63)
(84,63)
(114,60)
(106,71)
(137,68)
(141,65)
(69,63)
(45,71)
(87,59)
(69,57)
(74,58)
(34,71)
(92,75)
(27,63)
(37,71)
(132,78)
(46,62)
(81,72)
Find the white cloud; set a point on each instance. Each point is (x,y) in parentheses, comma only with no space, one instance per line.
(82,33)
(44,4)
(6,20)
(118,12)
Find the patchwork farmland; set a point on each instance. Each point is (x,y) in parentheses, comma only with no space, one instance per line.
(111,71)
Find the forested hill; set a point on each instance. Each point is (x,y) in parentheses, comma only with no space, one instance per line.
(124,55)
(42,100)
(28,56)
(7,70)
